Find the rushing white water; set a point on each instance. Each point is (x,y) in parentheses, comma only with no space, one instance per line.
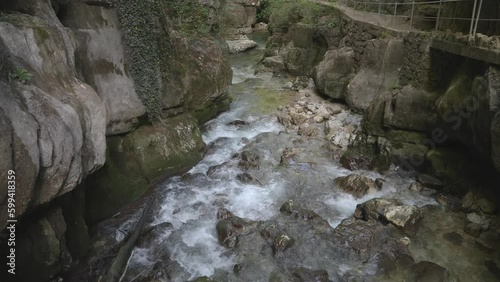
(191,206)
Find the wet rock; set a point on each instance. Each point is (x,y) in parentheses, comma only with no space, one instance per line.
(427,271)
(290,208)
(193,177)
(220,200)
(289,154)
(223,213)
(226,233)
(380,183)
(249,160)
(430,181)
(356,162)
(358,236)
(237,122)
(308,275)
(229,227)
(472,229)
(248,179)
(474,201)
(390,210)
(279,241)
(489,241)
(416,186)
(454,238)
(203,279)
(298,119)
(479,219)
(149,235)
(450,201)
(356,185)
(285,120)
(306,130)
(282,243)
(216,170)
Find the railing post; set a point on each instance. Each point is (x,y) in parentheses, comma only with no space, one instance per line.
(439,14)
(379,6)
(364,14)
(477,17)
(412,10)
(472,18)
(395,11)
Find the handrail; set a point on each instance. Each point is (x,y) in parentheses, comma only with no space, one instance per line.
(475,17)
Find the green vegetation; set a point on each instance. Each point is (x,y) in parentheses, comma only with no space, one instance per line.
(190,17)
(147,27)
(22,75)
(281,13)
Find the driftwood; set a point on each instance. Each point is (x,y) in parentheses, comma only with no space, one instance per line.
(120,262)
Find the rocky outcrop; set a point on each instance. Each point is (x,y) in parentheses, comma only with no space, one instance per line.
(102,63)
(333,74)
(134,161)
(74,97)
(403,216)
(52,140)
(379,72)
(356,185)
(238,17)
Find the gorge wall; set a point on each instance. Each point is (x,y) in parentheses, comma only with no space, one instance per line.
(99,100)
(423,109)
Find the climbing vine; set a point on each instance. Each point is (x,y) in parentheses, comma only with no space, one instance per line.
(146,25)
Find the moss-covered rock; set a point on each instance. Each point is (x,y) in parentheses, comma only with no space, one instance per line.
(449,164)
(175,63)
(136,160)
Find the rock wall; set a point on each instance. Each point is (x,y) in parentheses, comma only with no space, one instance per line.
(98,101)
(425,109)
(238,17)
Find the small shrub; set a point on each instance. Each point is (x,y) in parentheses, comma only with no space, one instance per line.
(22,75)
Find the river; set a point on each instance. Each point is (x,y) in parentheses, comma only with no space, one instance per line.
(187,243)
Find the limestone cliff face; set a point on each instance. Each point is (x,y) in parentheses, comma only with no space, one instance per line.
(54,122)
(80,84)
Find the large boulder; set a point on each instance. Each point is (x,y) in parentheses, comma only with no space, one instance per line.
(403,216)
(136,160)
(238,17)
(54,123)
(102,63)
(332,75)
(241,44)
(406,101)
(356,185)
(379,72)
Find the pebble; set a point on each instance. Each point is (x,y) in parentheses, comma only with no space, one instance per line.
(318,119)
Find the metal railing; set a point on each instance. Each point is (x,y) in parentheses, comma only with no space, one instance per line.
(411,6)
